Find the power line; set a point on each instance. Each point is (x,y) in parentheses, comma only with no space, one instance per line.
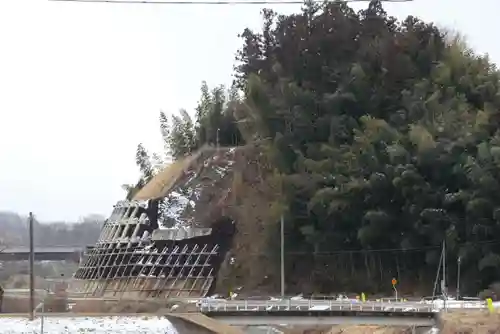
(381,250)
(204,2)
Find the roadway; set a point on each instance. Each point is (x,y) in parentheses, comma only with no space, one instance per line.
(332,320)
(242,320)
(304,312)
(42,253)
(303,305)
(289,306)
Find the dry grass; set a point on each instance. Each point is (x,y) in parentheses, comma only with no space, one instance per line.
(17,304)
(115,307)
(22,304)
(54,304)
(165,180)
(22,282)
(162,182)
(473,322)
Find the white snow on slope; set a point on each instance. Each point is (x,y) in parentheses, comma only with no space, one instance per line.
(185,196)
(176,205)
(81,325)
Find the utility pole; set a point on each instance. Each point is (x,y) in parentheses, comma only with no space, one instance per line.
(459,261)
(282,256)
(438,272)
(217,138)
(31,266)
(444,275)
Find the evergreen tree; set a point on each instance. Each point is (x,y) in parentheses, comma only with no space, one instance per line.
(386,132)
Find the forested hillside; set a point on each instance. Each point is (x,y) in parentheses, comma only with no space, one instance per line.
(14,231)
(384,136)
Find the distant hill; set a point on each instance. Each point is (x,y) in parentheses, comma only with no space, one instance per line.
(14,231)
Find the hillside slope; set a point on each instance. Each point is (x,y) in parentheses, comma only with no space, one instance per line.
(226,182)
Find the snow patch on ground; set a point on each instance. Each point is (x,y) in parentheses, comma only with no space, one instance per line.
(81,325)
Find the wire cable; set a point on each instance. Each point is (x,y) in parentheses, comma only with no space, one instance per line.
(220,2)
(384,250)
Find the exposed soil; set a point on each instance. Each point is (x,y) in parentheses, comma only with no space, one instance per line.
(472,322)
(235,183)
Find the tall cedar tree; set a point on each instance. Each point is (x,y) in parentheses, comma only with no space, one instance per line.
(387,134)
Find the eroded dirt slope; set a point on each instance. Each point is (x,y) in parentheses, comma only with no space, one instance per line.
(227,182)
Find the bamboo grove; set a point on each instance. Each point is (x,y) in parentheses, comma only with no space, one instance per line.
(385,135)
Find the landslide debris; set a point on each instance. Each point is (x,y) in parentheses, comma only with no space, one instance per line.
(234,182)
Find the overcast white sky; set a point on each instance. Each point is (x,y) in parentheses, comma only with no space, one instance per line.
(82,84)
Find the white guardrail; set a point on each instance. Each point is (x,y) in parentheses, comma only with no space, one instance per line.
(221,305)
